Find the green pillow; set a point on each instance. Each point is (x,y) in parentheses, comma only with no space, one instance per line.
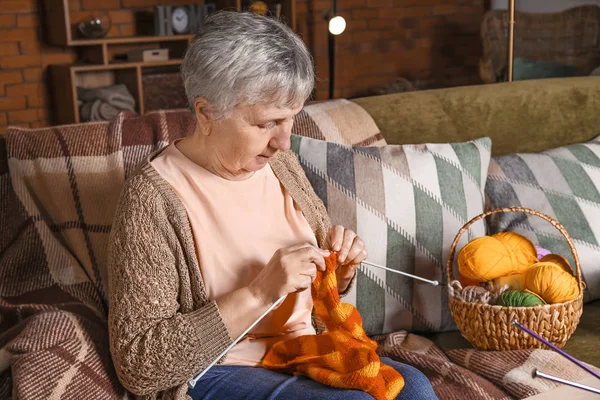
(524,69)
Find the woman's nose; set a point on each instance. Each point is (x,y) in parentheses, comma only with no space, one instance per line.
(282,139)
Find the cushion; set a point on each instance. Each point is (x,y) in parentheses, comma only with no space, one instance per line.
(407,203)
(338,121)
(563,183)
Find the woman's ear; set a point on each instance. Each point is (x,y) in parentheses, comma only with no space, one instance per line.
(203,116)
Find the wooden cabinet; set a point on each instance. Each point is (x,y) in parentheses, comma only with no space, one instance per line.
(101,62)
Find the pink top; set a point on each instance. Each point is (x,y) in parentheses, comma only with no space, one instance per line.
(237,227)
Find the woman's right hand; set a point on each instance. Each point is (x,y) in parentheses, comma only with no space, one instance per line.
(291,269)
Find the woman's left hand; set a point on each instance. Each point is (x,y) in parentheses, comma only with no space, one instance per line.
(351,252)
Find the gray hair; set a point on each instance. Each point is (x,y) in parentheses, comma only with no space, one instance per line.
(243,58)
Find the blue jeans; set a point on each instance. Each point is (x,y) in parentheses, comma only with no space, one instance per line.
(248,383)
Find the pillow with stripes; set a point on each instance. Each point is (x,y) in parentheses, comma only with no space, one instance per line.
(563,183)
(407,202)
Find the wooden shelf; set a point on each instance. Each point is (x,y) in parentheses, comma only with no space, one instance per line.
(97,65)
(123,65)
(130,40)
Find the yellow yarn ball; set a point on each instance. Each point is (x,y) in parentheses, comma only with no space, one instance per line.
(490,257)
(550,282)
(514,281)
(559,260)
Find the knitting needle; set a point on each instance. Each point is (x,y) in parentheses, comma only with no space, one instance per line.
(556,349)
(434,283)
(192,382)
(539,374)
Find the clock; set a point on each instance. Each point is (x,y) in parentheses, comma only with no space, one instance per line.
(181,20)
(177,20)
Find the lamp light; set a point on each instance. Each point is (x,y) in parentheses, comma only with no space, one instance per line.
(337,25)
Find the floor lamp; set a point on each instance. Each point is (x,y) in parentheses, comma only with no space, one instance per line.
(511,38)
(335,26)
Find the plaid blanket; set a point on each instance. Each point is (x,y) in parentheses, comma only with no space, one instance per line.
(58,191)
(475,374)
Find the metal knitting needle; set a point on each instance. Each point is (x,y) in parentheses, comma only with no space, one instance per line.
(192,382)
(538,374)
(434,283)
(556,349)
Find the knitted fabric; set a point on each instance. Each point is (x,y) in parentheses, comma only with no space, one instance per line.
(344,356)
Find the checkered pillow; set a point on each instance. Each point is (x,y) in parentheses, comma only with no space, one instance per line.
(563,183)
(407,203)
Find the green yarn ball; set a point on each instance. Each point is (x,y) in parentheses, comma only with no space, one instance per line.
(516,298)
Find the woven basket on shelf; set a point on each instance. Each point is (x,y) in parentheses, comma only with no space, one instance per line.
(489,327)
(568,37)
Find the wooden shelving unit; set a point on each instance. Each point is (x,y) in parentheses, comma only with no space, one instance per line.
(98,65)
(65,78)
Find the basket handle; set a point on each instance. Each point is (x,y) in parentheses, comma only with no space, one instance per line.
(543,216)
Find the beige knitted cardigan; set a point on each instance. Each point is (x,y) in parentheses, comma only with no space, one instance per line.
(163,328)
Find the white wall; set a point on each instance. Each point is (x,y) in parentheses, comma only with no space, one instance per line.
(543,6)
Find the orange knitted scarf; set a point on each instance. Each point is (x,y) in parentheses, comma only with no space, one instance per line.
(343,357)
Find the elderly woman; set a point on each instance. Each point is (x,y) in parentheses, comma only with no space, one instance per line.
(215,227)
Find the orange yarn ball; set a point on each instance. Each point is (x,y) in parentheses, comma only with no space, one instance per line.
(558,260)
(551,283)
(490,257)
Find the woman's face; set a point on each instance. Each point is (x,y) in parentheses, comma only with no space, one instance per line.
(246,141)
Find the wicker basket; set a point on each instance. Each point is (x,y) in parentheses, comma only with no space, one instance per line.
(489,327)
(568,37)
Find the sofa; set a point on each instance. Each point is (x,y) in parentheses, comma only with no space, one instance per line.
(59,187)
(527,116)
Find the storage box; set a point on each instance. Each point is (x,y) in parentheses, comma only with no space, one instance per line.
(148,55)
(163,91)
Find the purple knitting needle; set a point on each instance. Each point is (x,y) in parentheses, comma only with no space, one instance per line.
(559,351)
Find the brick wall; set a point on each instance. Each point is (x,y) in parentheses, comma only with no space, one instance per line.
(434,42)
(23,61)
(24,57)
